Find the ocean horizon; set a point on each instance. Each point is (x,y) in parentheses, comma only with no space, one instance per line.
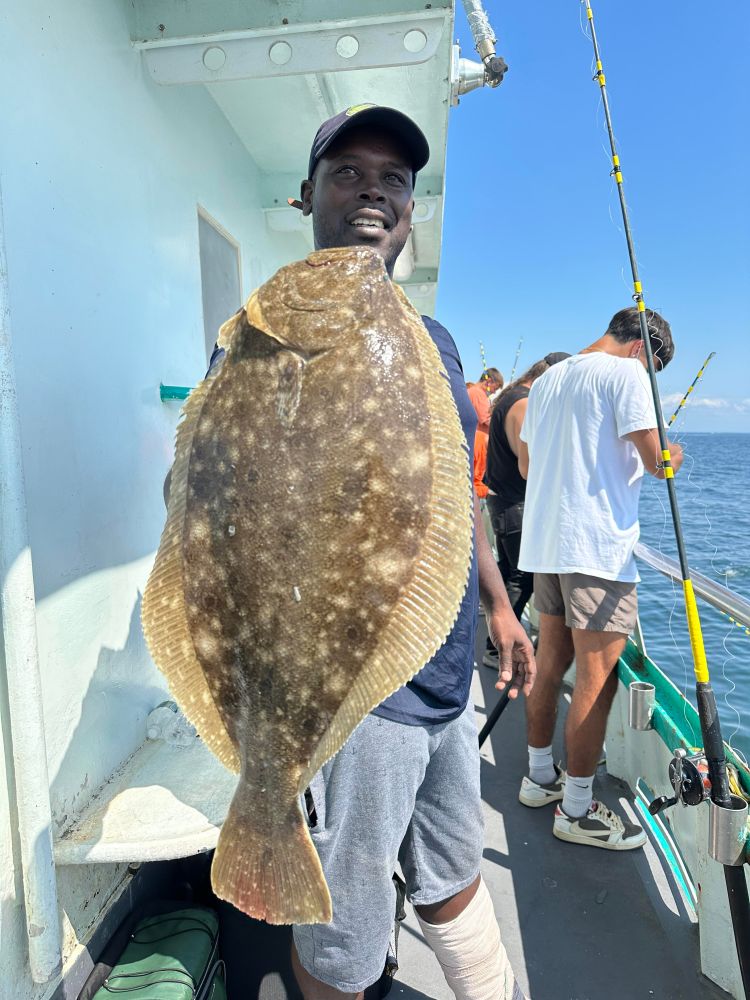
(712,489)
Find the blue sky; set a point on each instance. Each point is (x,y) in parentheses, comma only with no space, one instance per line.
(532,242)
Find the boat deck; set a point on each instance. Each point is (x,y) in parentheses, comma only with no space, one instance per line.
(578,923)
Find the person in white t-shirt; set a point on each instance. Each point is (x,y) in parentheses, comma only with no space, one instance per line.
(587,438)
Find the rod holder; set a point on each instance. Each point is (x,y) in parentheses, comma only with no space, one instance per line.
(727,832)
(641,706)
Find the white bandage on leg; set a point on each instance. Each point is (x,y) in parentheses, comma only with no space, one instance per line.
(471,954)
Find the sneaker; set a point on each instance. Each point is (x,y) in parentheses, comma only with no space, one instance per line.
(491,659)
(534,795)
(600,827)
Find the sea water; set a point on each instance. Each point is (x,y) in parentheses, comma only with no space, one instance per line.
(712,492)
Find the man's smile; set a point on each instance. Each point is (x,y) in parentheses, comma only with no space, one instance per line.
(368,219)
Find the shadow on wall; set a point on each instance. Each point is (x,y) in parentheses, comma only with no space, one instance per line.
(12,930)
(113,710)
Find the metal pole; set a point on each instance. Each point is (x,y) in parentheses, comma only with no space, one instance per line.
(713,745)
(515,360)
(18,646)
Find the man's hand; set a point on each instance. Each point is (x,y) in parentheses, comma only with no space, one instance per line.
(516,654)
(648,447)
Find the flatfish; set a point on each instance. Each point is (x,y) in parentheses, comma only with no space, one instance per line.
(315,554)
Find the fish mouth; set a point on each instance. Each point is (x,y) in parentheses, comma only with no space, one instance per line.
(368,221)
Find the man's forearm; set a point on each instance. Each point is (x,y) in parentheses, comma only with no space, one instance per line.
(491,587)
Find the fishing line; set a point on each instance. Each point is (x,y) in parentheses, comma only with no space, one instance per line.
(713,745)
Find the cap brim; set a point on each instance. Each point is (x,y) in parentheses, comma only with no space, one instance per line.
(389,120)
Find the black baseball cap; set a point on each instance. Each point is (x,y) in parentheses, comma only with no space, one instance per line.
(554,357)
(371,114)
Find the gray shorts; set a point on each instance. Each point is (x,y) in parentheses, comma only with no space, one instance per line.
(587,602)
(394,793)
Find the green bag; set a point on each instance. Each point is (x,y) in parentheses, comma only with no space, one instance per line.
(170,956)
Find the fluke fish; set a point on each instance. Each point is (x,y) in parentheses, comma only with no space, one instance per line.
(315,554)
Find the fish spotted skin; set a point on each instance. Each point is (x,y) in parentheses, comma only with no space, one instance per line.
(317,549)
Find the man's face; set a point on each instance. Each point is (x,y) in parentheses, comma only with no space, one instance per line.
(362,194)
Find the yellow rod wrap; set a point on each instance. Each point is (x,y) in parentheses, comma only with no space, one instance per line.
(638,286)
(616,160)
(602,79)
(618,177)
(599,64)
(641,306)
(696,635)
(665,455)
(589,14)
(668,472)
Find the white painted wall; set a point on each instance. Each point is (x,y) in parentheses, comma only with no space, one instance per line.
(102,174)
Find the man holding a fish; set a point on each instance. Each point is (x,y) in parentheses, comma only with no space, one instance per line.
(405,787)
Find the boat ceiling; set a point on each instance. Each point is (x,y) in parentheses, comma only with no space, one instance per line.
(278,68)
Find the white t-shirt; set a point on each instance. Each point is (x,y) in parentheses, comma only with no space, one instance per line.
(584,482)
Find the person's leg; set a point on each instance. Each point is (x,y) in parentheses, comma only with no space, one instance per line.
(518,583)
(364,800)
(440,857)
(554,655)
(602,613)
(313,989)
(596,655)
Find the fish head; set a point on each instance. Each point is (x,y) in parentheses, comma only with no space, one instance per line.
(322,302)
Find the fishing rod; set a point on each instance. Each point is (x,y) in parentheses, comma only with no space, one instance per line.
(713,744)
(483,356)
(515,360)
(693,384)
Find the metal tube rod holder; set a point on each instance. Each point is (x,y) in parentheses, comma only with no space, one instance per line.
(727,832)
(641,706)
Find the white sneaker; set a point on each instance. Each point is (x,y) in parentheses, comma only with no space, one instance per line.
(534,795)
(491,659)
(600,827)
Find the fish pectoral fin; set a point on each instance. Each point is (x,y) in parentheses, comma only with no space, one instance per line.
(274,876)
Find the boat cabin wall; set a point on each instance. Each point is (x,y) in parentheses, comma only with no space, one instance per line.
(103,175)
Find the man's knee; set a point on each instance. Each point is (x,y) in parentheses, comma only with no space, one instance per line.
(471,953)
(450,908)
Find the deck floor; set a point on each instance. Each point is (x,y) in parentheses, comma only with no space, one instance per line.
(578,923)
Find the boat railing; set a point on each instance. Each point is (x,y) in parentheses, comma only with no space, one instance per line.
(737,608)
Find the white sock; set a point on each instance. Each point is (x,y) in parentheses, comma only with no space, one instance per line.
(578,796)
(471,954)
(541,765)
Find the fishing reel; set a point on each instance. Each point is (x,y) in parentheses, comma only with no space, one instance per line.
(688,775)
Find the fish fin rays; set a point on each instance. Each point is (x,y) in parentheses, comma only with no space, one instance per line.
(428,606)
(273,877)
(164,613)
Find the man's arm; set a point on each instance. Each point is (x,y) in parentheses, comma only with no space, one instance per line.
(523,458)
(647,445)
(516,654)
(513,423)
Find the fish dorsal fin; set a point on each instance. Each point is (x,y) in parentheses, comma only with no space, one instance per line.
(428,607)
(164,613)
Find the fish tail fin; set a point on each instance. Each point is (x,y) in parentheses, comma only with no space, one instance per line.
(272,875)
